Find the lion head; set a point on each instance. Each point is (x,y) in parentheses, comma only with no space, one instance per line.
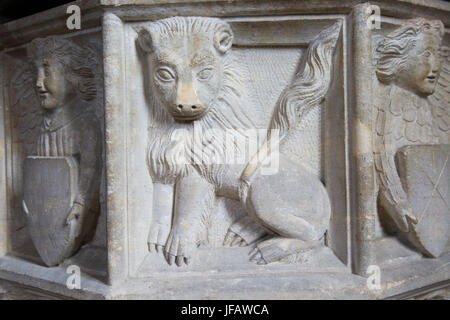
(195,82)
(186,59)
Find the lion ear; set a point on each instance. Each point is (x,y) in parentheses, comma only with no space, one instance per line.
(145,40)
(223,39)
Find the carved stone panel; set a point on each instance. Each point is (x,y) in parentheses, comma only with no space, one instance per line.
(56,112)
(412,133)
(201,93)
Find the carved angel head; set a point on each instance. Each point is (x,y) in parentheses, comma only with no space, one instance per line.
(409,56)
(62,72)
(185,57)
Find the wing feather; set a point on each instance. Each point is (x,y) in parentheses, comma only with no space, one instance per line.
(440,100)
(27,115)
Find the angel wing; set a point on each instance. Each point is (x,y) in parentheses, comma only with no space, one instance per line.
(388,127)
(27,115)
(93,59)
(440,100)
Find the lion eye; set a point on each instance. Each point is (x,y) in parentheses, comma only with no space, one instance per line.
(205,74)
(165,74)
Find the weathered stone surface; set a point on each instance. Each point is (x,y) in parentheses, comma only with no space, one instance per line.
(267,150)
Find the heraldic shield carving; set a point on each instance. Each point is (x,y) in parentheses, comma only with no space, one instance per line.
(49,192)
(425,173)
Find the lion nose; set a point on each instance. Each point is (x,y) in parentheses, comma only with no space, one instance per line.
(187,103)
(190,108)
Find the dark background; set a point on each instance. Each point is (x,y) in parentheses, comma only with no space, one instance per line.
(15,9)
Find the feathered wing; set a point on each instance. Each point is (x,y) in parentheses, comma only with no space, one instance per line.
(94,59)
(389,128)
(440,100)
(24,105)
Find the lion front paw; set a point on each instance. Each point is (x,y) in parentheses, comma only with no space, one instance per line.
(179,247)
(157,236)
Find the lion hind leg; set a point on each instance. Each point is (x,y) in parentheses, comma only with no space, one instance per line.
(287,223)
(290,203)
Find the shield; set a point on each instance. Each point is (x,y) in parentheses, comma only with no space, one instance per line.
(50,186)
(425,174)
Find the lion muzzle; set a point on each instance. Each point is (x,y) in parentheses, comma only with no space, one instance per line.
(188,106)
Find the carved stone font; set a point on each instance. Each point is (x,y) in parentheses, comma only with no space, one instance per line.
(212,149)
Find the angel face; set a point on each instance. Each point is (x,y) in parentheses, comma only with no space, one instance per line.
(422,68)
(52,87)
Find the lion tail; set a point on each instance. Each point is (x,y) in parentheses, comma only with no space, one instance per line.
(310,85)
(307,91)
